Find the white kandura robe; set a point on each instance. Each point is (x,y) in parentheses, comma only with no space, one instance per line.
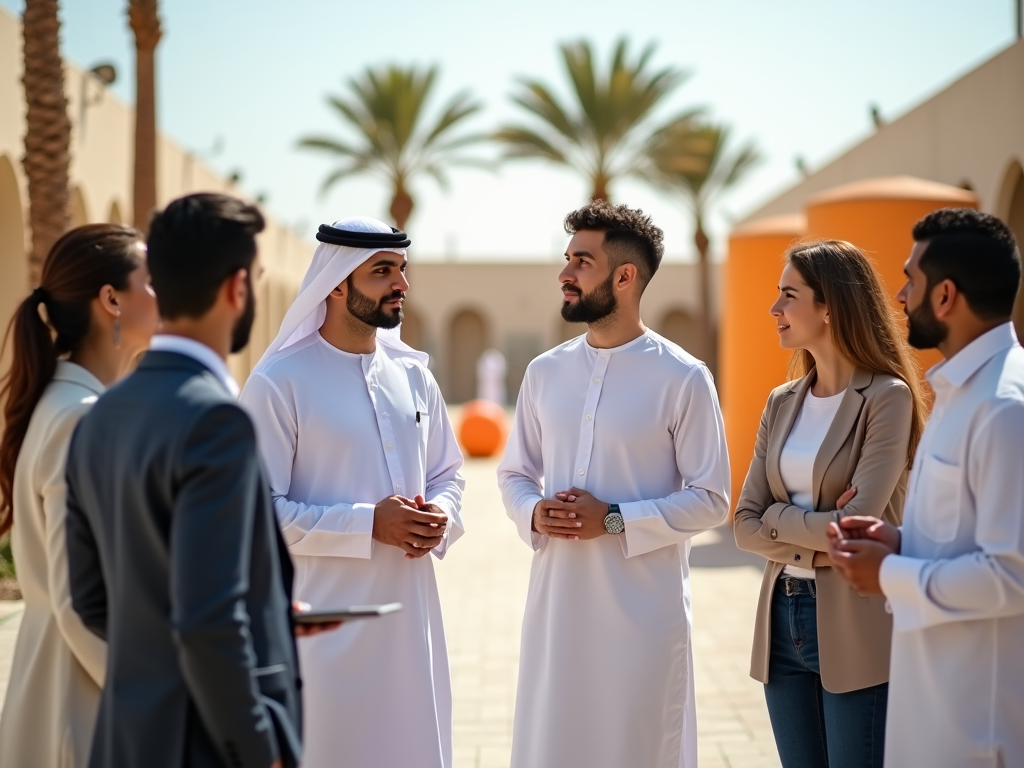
(338,433)
(606,668)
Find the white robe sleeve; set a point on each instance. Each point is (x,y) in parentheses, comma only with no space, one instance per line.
(989,582)
(703,461)
(337,530)
(521,472)
(444,484)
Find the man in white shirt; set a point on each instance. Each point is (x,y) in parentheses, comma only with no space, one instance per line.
(616,460)
(953,573)
(364,472)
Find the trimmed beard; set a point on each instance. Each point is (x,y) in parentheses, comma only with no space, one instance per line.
(243,325)
(372,312)
(924,329)
(591,307)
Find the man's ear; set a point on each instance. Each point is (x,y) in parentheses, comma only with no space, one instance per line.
(338,292)
(943,298)
(236,289)
(627,275)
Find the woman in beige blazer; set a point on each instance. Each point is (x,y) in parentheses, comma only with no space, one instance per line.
(100,313)
(839,435)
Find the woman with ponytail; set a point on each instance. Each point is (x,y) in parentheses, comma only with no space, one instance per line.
(75,335)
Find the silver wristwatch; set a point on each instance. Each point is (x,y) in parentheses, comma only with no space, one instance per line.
(613,522)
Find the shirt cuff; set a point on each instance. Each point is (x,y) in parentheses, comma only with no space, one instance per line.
(524,523)
(644,528)
(901,581)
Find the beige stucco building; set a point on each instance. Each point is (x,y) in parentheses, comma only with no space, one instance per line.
(969,135)
(455,309)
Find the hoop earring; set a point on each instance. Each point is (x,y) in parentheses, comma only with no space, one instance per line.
(117,332)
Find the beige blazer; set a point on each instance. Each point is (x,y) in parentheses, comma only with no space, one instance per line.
(59,665)
(866,446)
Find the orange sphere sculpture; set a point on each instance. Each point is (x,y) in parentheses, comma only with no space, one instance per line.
(483,428)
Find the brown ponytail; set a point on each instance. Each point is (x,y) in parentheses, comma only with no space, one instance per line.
(77,267)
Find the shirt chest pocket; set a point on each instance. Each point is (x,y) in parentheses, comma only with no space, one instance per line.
(938,517)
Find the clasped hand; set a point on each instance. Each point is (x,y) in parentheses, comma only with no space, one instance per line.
(412,525)
(857,547)
(572,514)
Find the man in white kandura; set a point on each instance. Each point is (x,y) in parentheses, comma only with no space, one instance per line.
(616,460)
(953,573)
(364,471)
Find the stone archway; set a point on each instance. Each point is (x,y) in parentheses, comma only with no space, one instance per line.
(14,276)
(467,339)
(412,328)
(679,327)
(1011,211)
(79,210)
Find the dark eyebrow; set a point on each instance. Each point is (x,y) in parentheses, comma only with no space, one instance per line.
(588,254)
(388,263)
(789,288)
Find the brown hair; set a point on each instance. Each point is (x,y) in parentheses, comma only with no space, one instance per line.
(864,327)
(77,267)
(629,235)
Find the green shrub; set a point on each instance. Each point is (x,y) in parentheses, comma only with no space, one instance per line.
(6,559)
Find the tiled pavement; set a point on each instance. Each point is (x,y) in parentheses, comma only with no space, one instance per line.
(483,587)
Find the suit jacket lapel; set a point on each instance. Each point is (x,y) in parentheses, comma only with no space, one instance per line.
(843,423)
(785,417)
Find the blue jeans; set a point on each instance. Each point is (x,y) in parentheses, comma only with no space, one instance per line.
(814,728)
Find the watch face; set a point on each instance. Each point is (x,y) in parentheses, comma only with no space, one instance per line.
(613,523)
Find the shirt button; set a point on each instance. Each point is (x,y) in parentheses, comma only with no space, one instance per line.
(774,534)
(589,417)
(583,471)
(398,489)
(597,381)
(387,446)
(385,413)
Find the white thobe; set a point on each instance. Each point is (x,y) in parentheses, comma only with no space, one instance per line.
(956,691)
(339,432)
(606,668)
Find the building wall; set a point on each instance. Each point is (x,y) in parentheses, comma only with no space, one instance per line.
(971,135)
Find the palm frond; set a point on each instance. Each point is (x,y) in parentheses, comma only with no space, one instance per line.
(524,142)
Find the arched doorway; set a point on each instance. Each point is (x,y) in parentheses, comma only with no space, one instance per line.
(79,211)
(13,252)
(467,339)
(115,217)
(1011,211)
(679,327)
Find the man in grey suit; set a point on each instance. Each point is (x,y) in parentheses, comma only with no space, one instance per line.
(174,552)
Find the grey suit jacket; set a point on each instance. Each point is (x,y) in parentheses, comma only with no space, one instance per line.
(865,446)
(175,558)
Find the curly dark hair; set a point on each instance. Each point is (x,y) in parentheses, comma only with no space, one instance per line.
(977,252)
(629,235)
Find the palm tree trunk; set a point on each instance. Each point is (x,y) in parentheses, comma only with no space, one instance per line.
(600,190)
(401,207)
(48,131)
(709,351)
(145,23)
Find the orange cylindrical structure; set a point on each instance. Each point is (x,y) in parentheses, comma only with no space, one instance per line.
(483,428)
(877,216)
(752,363)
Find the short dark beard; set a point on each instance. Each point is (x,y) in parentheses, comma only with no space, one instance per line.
(243,325)
(372,312)
(591,307)
(924,329)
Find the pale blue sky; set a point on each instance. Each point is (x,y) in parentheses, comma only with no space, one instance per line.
(797,76)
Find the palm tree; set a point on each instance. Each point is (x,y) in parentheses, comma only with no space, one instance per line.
(48,131)
(144,20)
(386,108)
(603,135)
(699,165)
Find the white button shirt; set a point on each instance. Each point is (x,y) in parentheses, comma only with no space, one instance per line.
(606,675)
(956,695)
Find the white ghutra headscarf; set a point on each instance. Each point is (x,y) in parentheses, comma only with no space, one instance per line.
(330,266)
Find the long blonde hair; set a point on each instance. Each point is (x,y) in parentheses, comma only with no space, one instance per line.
(864,325)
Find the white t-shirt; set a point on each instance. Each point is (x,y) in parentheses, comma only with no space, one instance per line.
(796,464)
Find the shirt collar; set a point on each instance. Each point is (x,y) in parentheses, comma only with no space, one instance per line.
(165,342)
(76,374)
(965,363)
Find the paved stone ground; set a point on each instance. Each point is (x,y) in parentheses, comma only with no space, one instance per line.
(483,584)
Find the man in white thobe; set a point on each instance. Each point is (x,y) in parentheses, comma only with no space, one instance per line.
(953,573)
(616,460)
(363,468)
